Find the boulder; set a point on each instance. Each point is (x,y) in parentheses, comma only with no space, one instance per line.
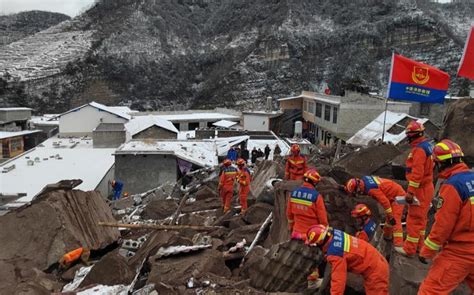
(177,270)
(159,209)
(111,270)
(56,222)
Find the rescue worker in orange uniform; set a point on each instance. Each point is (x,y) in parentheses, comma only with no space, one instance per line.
(346,253)
(453,231)
(367,225)
(243,178)
(226,184)
(419,173)
(305,208)
(69,258)
(384,192)
(295,164)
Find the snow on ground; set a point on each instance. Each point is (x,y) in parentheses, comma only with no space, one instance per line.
(199,116)
(55,160)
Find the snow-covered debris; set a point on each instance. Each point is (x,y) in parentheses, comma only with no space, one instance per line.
(174,250)
(78,278)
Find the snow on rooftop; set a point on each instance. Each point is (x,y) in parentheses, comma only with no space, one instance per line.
(8,134)
(43,120)
(184,135)
(15,109)
(374,130)
(199,116)
(224,123)
(140,123)
(123,109)
(113,110)
(261,143)
(58,159)
(203,153)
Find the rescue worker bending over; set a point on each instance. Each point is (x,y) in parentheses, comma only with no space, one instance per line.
(226,184)
(346,253)
(244,178)
(295,164)
(69,258)
(305,208)
(419,173)
(117,187)
(367,226)
(453,230)
(384,192)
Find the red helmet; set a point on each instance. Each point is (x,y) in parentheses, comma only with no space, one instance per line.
(360,210)
(316,234)
(414,128)
(240,162)
(313,175)
(353,185)
(295,148)
(445,150)
(227,162)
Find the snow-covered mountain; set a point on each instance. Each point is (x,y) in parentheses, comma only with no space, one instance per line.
(168,54)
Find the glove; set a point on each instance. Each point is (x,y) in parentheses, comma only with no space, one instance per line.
(392,221)
(409,198)
(422,259)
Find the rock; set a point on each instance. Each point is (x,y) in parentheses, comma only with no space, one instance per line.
(69,274)
(177,270)
(285,267)
(55,223)
(206,193)
(159,209)
(257,213)
(111,270)
(247,232)
(367,160)
(459,126)
(406,275)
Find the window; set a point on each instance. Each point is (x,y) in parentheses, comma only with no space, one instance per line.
(305,106)
(319,110)
(327,113)
(334,115)
(311,107)
(424,109)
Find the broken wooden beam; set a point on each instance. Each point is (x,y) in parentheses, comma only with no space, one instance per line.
(160,227)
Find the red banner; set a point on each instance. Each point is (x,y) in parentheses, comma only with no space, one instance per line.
(466,67)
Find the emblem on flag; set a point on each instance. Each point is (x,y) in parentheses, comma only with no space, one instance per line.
(420,75)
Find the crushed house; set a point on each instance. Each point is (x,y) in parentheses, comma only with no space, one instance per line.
(329,118)
(14,119)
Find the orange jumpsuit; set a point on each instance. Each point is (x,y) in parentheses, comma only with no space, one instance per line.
(453,234)
(420,182)
(305,208)
(347,253)
(226,186)
(295,167)
(244,186)
(384,191)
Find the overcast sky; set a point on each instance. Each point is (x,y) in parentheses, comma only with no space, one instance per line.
(69,7)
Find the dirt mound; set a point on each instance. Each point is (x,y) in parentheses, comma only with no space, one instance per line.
(56,223)
(178,270)
(159,209)
(459,126)
(257,214)
(205,193)
(367,160)
(111,270)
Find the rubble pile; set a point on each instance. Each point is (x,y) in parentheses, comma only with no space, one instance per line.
(176,239)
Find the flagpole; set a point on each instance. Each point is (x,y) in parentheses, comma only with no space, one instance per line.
(386,99)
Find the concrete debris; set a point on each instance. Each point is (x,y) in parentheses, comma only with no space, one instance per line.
(175,250)
(105,290)
(159,209)
(78,278)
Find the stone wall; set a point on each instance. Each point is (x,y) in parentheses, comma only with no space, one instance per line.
(155,132)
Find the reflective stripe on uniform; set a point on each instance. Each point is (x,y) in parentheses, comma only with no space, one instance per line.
(302,202)
(422,232)
(432,245)
(347,242)
(412,239)
(398,234)
(389,210)
(414,184)
(230,172)
(472,200)
(290,221)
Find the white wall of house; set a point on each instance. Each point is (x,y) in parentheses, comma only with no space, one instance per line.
(256,122)
(84,120)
